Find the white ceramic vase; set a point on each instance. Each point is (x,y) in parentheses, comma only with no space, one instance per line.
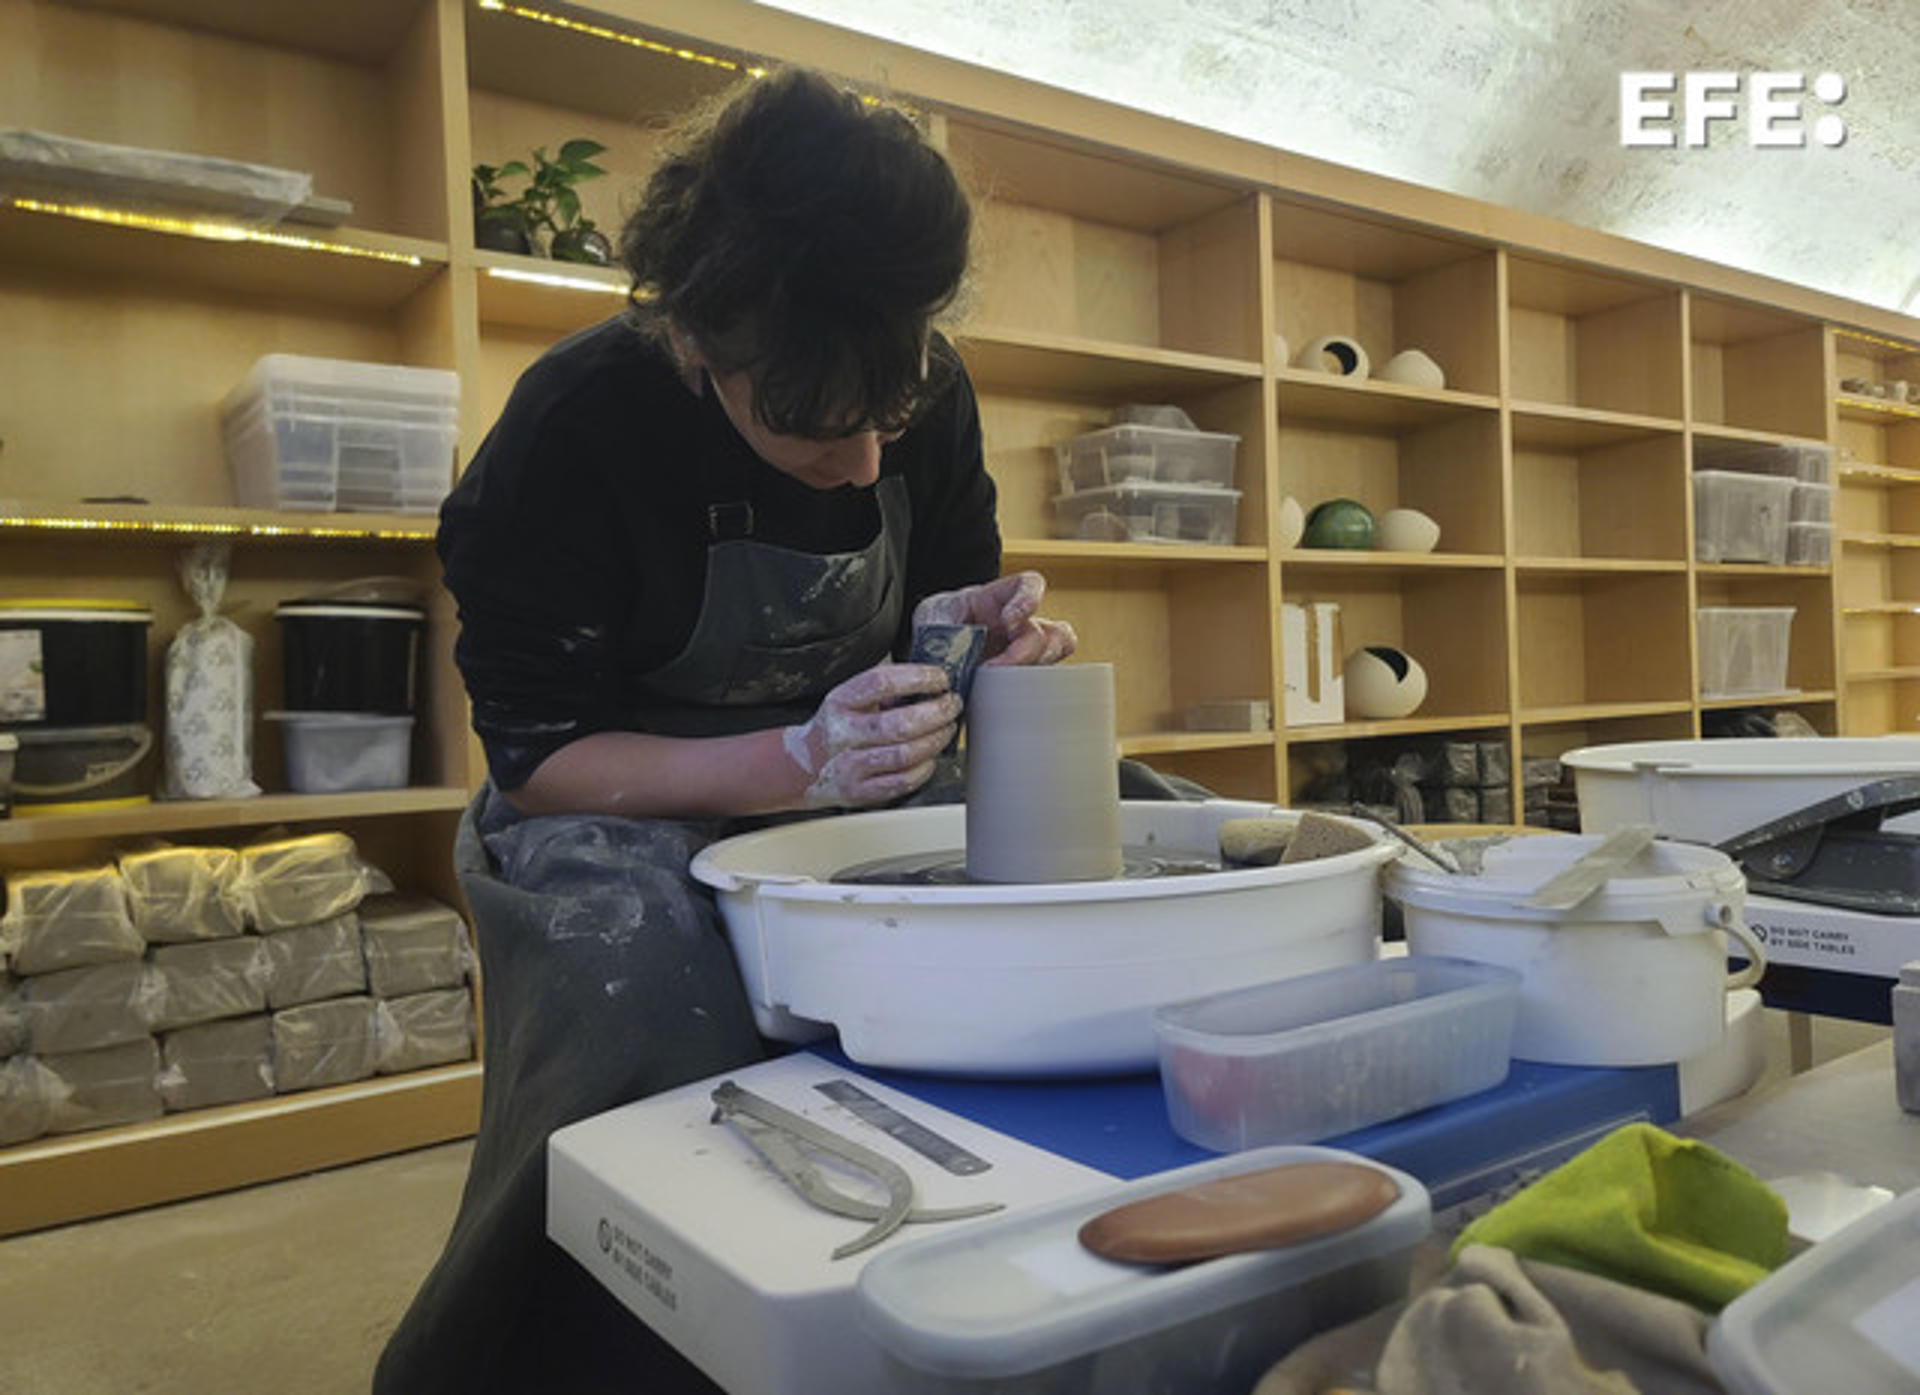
(1412,368)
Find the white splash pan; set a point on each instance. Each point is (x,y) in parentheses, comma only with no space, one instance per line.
(1021,980)
(1709,791)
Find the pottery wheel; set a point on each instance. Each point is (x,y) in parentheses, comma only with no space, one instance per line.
(949,867)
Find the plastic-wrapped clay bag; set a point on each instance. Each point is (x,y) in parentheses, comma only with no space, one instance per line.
(285,882)
(209,726)
(66,919)
(178,894)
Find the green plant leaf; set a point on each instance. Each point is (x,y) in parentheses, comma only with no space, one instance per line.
(580,150)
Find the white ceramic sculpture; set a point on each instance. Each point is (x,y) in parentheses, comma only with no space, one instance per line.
(1405,530)
(1335,354)
(1292,523)
(1382,683)
(1412,368)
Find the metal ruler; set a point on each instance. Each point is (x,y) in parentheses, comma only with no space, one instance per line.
(897,1126)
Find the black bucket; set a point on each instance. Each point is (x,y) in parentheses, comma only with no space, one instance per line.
(350,656)
(70,663)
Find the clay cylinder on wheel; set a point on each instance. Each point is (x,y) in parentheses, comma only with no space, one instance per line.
(1043,793)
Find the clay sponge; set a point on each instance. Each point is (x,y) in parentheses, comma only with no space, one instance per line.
(1249,1211)
(956,648)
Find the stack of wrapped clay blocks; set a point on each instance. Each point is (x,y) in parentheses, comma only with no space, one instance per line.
(178,978)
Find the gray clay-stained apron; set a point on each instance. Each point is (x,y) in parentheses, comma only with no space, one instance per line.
(606,975)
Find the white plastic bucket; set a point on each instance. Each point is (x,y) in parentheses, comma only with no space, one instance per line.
(1634,975)
(1710,791)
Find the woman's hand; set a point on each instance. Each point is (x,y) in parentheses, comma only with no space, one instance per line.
(1016,634)
(875,736)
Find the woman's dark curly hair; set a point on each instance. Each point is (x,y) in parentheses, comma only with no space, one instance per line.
(811,237)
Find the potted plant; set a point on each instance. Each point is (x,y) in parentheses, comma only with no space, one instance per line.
(552,203)
(499,220)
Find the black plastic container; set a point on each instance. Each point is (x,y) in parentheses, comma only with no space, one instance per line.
(350,656)
(69,663)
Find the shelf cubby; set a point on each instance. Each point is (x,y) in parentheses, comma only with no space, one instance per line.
(1598,490)
(1388,287)
(1077,242)
(1450,618)
(1811,643)
(1756,369)
(1589,339)
(1602,639)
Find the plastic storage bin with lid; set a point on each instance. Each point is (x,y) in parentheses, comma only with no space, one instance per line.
(1744,649)
(1155,513)
(321,434)
(1133,453)
(1016,1305)
(1740,517)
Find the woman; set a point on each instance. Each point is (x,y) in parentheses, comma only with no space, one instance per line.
(685,558)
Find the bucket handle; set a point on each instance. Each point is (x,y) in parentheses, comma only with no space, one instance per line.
(98,778)
(1730,920)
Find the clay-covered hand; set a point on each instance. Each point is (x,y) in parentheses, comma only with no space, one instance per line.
(875,736)
(1016,633)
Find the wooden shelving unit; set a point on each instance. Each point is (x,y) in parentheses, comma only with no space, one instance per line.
(1121,259)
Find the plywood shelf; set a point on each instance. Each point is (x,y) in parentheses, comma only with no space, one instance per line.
(1070,553)
(336,266)
(1600,711)
(1371,404)
(73,1176)
(1164,743)
(534,293)
(1030,363)
(1787,697)
(116,525)
(1425,724)
(1555,426)
(1313,561)
(181,816)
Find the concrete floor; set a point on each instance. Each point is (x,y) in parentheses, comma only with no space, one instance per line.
(290,1288)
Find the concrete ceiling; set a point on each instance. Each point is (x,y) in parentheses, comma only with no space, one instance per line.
(1517,102)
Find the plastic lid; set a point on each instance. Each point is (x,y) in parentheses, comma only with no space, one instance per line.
(347,610)
(1843,1315)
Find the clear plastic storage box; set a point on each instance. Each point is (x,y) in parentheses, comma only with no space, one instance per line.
(1811,503)
(1325,1053)
(320,434)
(1133,454)
(1740,517)
(1015,1305)
(1743,649)
(1810,463)
(1809,544)
(1161,513)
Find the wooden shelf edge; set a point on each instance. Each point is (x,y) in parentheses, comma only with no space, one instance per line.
(1602,711)
(1168,743)
(169,816)
(1790,697)
(1597,416)
(1887,540)
(1075,346)
(1598,566)
(1866,472)
(76,1176)
(1763,569)
(1403,726)
(1904,674)
(1019,551)
(166,522)
(1321,558)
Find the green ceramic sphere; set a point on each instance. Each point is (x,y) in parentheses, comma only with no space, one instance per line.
(1339,523)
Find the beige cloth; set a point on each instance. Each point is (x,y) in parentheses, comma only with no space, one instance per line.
(1497,1324)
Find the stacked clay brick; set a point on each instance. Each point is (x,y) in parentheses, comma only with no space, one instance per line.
(179,978)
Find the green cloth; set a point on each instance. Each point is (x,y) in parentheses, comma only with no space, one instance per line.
(1661,1213)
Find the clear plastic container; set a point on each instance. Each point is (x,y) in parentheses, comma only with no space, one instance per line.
(320,434)
(1810,463)
(1167,513)
(1743,649)
(1015,1305)
(1325,1053)
(1811,503)
(1809,544)
(1837,1317)
(1133,454)
(331,752)
(1740,517)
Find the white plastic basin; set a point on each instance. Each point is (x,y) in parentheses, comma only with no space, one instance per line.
(1024,979)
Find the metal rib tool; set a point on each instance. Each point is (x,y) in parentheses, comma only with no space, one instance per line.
(782,1138)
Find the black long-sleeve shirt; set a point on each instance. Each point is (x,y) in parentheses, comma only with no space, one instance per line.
(575,543)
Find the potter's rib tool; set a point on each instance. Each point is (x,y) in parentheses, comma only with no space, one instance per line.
(934,1147)
(784,1138)
(1593,869)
